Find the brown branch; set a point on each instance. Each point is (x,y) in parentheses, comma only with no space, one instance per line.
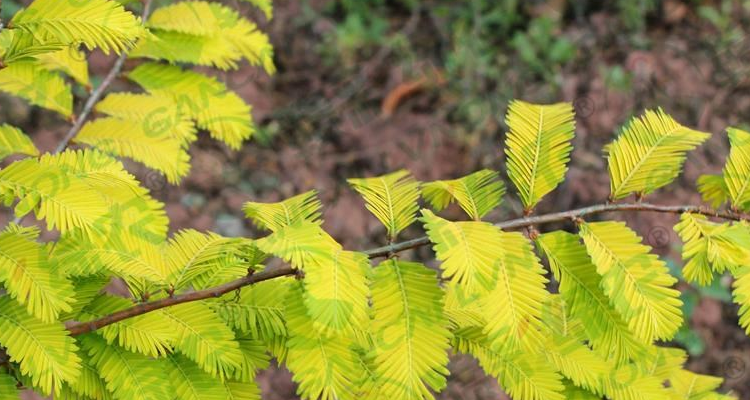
(97,94)
(568,215)
(78,328)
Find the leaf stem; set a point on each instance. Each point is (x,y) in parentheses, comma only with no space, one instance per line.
(78,328)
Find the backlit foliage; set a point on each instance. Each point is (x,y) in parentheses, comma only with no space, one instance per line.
(345,326)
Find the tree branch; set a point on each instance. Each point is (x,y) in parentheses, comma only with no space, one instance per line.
(97,94)
(78,328)
(568,215)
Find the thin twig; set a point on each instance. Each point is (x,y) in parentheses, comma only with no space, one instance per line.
(568,215)
(78,328)
(97,94)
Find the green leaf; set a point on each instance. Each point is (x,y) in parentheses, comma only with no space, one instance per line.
(637,283)
(711,247)
(737,168)
(538,147)
(275,216)
(67,202)
(469,251)
(513,309)
(525,376)
(205,33)
(204,338)
(257,310)
(96,23)
(69,60)
(26,275)
(150,334)
(214,108)
(336,291)
(151,146)
(649,153)
(8,389)
(299,244)
(410,331)
(191,255)
(128,375)
(40,87)
(324,366)
(190,382)
(713,190)
(13,141)
(691,386)
(159,114)
(89,384)
(391,198)
(605,329)
(44,351)
(477,193)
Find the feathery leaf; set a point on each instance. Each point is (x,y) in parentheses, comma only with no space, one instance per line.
(158,113)
(538,147)
(514,307)
(579,286)
(45,351)
(737,168)
(13,141)
(410,330)
(132,207)
(205,33)
(299,244)
(649,153)
(40,87)
(275,216)
(469,251)
(154,148)
(637,283)
(323,366)
(150,334)
(477,193)
(96,23)
(391,198)
(525,376)
(128,375)
(191,254)
(52,193)
(8,389)
(17,45)
(741,295)
(190,382)
(691,386)
(26,275)
(714,190)
(203,338)
(257,310)
(336,291)
(68,60)
(214,108)
(710,247)
(89,384)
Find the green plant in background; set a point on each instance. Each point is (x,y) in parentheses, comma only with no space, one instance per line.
(364,27)
(542,49)
(635,12)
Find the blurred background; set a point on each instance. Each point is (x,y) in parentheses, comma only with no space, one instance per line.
(366,87)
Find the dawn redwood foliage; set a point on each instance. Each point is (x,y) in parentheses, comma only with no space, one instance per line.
(205,314)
